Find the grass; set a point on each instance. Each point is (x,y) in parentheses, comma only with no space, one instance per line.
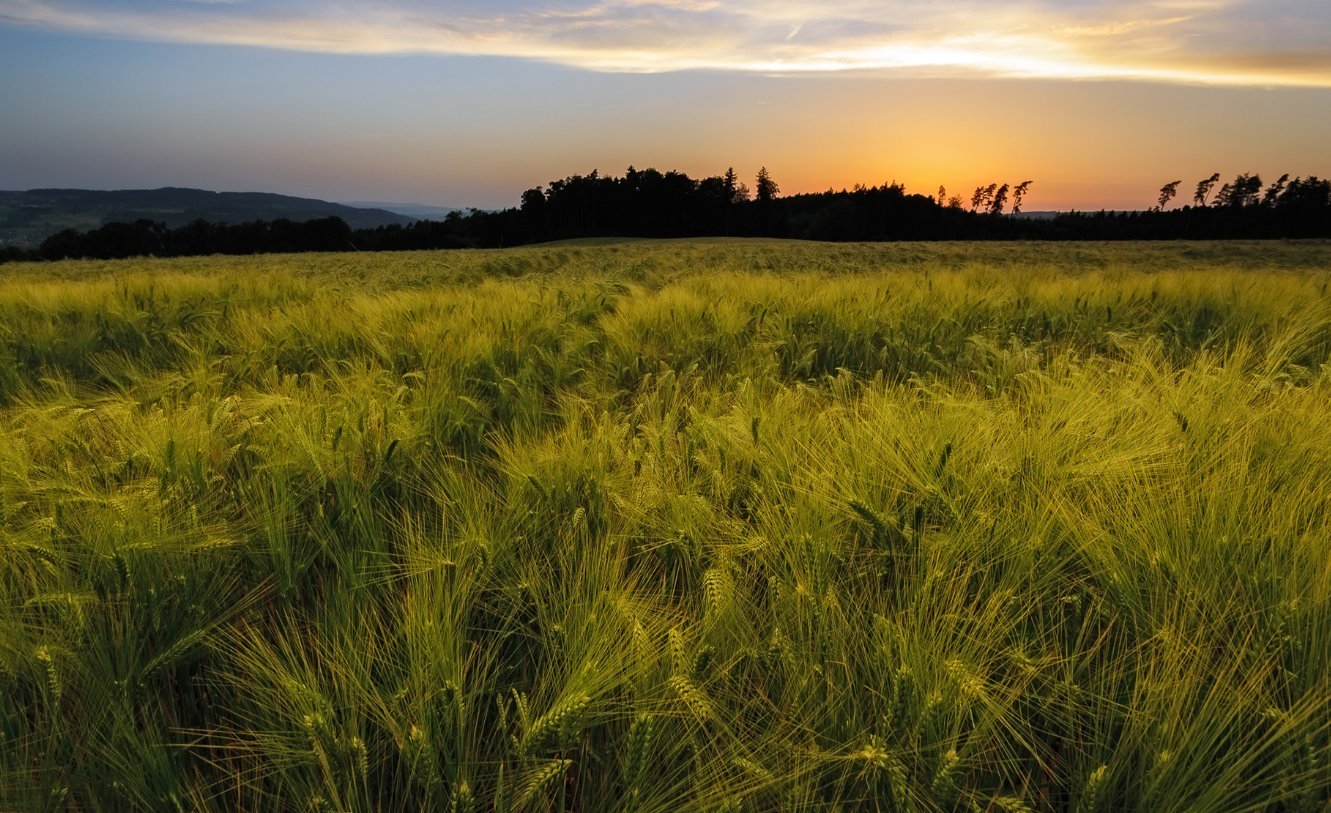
(700,525)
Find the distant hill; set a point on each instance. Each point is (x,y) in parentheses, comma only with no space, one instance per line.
(417,211)
(27,218)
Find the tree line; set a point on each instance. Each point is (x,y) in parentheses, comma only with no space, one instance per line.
(650,203)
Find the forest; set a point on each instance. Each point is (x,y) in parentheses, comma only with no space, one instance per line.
(652,204)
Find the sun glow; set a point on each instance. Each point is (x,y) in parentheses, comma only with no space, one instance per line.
(1025,59)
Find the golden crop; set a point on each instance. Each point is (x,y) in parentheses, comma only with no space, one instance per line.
(663,526)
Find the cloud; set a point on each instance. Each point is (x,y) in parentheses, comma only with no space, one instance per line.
(1225,42)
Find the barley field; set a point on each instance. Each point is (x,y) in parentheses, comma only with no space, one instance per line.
(670,526)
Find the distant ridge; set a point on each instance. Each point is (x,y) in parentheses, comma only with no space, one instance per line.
(29,217)
(418,211)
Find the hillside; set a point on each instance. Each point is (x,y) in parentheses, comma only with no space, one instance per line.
(27,218)
(419,211)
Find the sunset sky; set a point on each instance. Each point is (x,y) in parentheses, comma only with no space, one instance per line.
(470,102)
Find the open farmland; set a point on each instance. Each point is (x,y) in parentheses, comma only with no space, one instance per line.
(676,526)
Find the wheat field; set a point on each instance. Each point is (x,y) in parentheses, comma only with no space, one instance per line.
(670,526)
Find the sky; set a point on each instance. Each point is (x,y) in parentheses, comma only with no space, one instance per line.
(469,102)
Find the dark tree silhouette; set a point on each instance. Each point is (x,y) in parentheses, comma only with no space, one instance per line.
(1167,193)
(533,200)
(1204,189)
(1019,194)
(649,203)
(1274,191)
(736,190)
(983,196)
(765,189)
(1240,192)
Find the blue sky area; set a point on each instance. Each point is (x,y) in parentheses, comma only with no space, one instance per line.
(468,103)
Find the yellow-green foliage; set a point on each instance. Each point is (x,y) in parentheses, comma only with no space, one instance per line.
(742,525)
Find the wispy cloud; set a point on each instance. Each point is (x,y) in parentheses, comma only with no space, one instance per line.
(1226,42)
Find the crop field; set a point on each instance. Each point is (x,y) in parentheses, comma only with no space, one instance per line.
(670,526)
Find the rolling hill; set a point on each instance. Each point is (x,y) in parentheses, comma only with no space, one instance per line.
(28,217)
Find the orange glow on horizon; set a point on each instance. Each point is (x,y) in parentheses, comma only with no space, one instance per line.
(1098,103)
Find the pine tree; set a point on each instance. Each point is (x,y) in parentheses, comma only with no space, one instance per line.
(767,190)
(1167,193)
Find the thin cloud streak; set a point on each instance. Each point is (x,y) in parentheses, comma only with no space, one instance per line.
(1218,42)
